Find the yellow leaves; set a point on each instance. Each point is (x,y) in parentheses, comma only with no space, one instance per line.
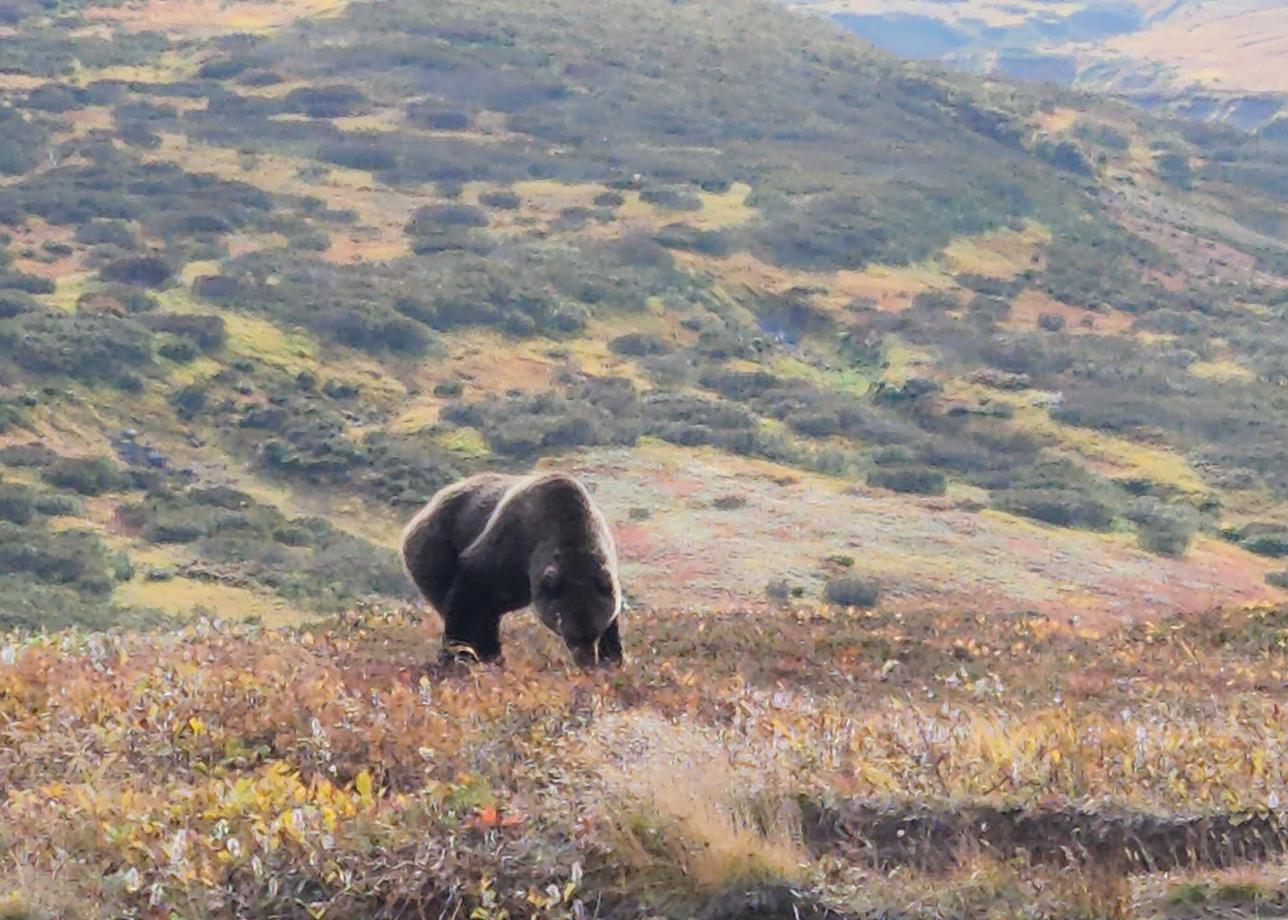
(197,726)
(362,783)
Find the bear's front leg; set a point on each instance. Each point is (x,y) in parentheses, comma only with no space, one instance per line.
(609,645)
(471,625)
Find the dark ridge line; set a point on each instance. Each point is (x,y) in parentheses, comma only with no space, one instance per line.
(937,840)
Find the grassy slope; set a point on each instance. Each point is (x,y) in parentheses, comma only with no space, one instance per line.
(925,158)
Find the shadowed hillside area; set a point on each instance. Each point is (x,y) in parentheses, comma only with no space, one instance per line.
(940,422)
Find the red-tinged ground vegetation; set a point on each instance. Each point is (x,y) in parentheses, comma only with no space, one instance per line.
(832,763)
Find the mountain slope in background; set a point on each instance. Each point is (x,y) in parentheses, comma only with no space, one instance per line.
(1211,61)
(908,395)
(272,275)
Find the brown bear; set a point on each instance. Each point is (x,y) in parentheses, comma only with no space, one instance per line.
(492,544)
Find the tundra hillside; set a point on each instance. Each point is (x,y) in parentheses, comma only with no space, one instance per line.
(937,420)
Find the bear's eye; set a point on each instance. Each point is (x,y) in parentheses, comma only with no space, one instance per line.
(604,585)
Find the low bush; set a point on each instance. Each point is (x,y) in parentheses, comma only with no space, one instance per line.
(75,558)
(639,344)
(1061,507)
(31,605)
(670,199)
(325,101)
(852,591)
(501,200)
(143,271)
(17,503)
(913,480)
(179,350)
(85,476)
(1165,530)
(57,505)
(206,332)
(16,303)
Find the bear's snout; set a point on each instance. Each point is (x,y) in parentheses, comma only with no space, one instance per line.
(584,656)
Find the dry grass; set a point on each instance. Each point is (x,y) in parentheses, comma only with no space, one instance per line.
(186,598)
(1002,254)
(1028,308)
(1114,455)
(1237,45)
(1223,369)
(891,288)
(928,553)
(686,802)
(206,18)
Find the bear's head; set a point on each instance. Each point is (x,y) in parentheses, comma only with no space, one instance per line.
(576,596)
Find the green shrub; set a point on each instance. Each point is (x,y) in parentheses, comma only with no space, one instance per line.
(852,591)
(189,401)
(88,348)
(55,505)
(32,454)
(28,604)
(74,558)
(501,200)
(325,101)
(143,271)
(639,344)
(1162,529)
(17,503)
(437,120)
(430,218)
(88,476)
(779,590)
(1051,322)
(179,350)
(1264,539)
(16,303)
(671,199)
(25,283)
(1061,507)
(208,333)
(914,480)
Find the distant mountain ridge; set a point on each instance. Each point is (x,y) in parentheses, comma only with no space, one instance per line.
(1225,62)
